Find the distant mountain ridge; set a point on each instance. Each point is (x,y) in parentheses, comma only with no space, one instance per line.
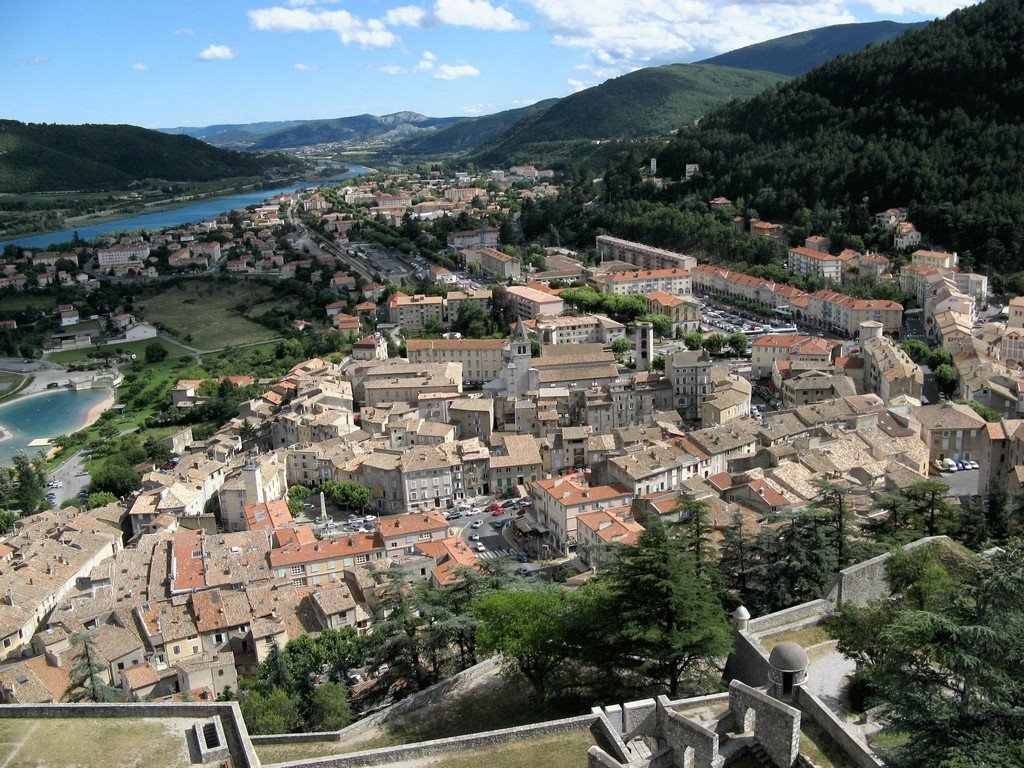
(469,133)
(43,157)
(650,102)
(796,54)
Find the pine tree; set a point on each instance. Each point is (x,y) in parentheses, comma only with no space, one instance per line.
(670,626)
(694,531)
(736,555)
(87,683)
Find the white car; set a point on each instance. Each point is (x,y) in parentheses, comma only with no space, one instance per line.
(370,519)
(475,537)
(973,464)
(477,524)
(480,547)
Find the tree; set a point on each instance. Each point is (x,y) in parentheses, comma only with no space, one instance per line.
(927,505)
(671,628)
(831,506)
(297,496)
(271,712)
(347,496)
(694,529)
(917,350)
(692,340)
(950,673)
(945,379)
(795,565)
(155,352)
(658,363)
(737,343)
(714,343)
(736,555)
(246,431)
(290,349)
(87,682)
(621,346)
(528,628)
(8,517)
(29,486)
(433,327)
(157,451)
(115,477)
(328,708)
(100,500)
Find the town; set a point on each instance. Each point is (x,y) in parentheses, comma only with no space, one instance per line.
(520,412)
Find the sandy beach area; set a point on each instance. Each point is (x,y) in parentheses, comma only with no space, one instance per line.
(94,413)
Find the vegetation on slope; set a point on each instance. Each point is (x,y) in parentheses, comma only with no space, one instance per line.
(356,128)
(655,101)
(39,157)
(931,119)
(796,54)
(469,133)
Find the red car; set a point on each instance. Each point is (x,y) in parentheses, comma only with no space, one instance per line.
(498,513)
(494,507)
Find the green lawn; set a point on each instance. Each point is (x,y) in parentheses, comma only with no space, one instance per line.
(806,637)
(204,310)
(94,742)
(21,303)
(137,348)
(11,383)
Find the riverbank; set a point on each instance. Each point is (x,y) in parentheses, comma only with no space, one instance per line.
(171,214)
(93,414)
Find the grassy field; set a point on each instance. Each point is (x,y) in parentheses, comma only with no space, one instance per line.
(11,383)
(94,742)
(205,312)
(21,303)
(137,348)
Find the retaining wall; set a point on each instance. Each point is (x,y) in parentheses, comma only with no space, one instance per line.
(441,746)
(243,755)
(803,613)
(748,661)
(858,751)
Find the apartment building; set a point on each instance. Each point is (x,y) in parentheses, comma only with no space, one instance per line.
(575,329)
(810,261)
(481,359)
(674,281)
(532,303)
(690,374)
(844,314)
(888,370)
(772,347)
(683,311)
(307,561)
(485,237)
(559,501)
(493,262)
(456,299)
(414,312)
(938,259)
(645,257)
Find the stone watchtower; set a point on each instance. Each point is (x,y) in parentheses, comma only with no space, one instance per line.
(788,669)
(644,346)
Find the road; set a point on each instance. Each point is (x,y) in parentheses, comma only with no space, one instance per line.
(71,482)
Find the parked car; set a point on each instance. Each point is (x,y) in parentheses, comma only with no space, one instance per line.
(498,512)
(370,519)
(522,571)
(480,547)
(959,465)
(510,503)
(477,524)
(950,465)
(492,507)
(973,464)
(522,558)
(475,537)
(454,515)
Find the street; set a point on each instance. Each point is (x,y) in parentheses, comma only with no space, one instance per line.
(71,481)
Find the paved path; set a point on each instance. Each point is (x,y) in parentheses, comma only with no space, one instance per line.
(71,481)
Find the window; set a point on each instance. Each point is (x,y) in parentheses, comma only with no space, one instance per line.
(220,673)
(297,570)
(360,559)
(218,638)
(177,649)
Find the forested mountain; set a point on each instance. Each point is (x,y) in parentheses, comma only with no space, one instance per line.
(798,53)
(357,128)
(469,133)
(932,120)
(234,135)
(655,101)
(41,157)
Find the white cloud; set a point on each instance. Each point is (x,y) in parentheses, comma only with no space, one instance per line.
(369,33)
(455,71)
(916,7)
(477,109)
(34,60)
(393,69)
(406,16)
(184,31)
(478,14)
(576,85)
(140,67)
(426,63)
(299,66)
(216,53)
(620,35)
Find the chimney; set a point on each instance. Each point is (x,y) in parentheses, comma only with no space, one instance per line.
(10,597)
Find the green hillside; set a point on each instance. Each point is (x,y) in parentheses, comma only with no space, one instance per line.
(356,128)
(796,54)
(649,102)
(470,133)
(41,157)
(932,119)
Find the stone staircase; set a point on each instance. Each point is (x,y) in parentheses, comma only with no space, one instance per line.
(756,751)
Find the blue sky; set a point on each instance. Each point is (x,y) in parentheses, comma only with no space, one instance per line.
(190,62)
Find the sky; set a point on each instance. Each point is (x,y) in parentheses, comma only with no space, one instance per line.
(162,64)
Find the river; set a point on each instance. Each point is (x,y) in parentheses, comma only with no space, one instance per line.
(45,415)
(187,214)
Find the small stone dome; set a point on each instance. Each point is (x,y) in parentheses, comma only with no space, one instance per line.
(741,613)
(788,657)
